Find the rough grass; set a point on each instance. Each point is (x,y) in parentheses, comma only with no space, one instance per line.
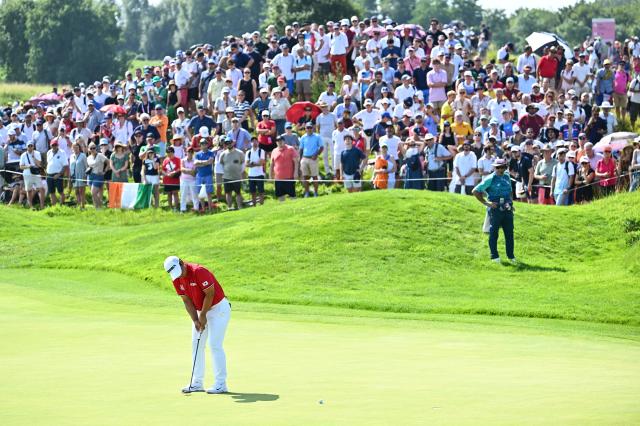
(11,92)
(398,251)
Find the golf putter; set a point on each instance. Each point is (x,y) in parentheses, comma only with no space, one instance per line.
(195,357)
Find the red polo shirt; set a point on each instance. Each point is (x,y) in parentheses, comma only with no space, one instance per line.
(548,67)
(198,279)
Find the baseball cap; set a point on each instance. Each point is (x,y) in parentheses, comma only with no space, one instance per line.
(308,125)
(203,131)
(172,266)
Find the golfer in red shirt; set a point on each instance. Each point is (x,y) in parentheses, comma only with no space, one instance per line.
(209,310)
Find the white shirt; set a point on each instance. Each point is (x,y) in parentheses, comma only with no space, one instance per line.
(611,121)
(392,143)
(326,123)
(123,132)
(581,72)
(496,108)
(437,50)
(41,140)
(526,85)
(339,43)
(396,41)
(328,99)
(285,63)
(321,56)
(56,162)
(562,177)
(369,119)
(464,164)
(402,92)
(4,136)
(338,141)
(181,77)
(28,159)
(485,164)
(526,60)
(255,156)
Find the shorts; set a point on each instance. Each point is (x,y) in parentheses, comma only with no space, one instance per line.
(268,148)
(256,184)
(192,93)
(205,180)
(324,67)
(309,167)
(152,179)
(350,182)
(303,86)
(32,182)
(55,184)
(96,180)
(285,187)
(169,187)
(620,100)
(232,186)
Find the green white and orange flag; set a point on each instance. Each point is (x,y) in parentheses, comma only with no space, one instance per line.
(129,195)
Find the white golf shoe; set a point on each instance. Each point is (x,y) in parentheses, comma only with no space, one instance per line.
(218,389)
(496,260)
(196,387)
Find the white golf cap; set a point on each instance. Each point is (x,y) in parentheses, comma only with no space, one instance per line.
(204,131)
(172,266)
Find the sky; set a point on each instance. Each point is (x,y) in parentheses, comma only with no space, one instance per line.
(512,5)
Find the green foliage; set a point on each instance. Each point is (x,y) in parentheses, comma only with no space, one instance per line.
(498,23)
(427,9)
(283,12)
(72,40)
(159,26)
(133,23)
(14,46)
(526,21)
(399,10)
(468,11)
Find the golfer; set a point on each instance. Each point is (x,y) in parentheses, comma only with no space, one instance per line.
(209,310)
(497,186)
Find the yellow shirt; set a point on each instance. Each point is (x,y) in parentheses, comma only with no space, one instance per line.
(461,130)
(446,113)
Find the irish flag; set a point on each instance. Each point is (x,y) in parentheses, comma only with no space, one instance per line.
(129,195)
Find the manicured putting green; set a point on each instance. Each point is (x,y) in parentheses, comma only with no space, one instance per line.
(70,356)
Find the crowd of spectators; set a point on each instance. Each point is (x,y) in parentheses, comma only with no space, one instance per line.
(392,106)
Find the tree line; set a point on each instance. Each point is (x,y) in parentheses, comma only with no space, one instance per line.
(80,40)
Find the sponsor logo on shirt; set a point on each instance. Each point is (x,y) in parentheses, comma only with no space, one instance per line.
(206,283)
(181,287)
(192,284)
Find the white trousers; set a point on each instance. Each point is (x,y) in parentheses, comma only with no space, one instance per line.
(217,320)
(326,142)
(188,192)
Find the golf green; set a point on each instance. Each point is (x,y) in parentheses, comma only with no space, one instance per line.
(84,348)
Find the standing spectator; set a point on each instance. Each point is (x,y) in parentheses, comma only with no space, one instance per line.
(31,166)
(311,146)
(200,120)
(302,69)
(548,67)
(582,73)
(609,118)
(285,62)
(437,81)
(543,174)
(620,84)
(171,170)
(232,160)
(584,179)
(204,171)
(384,172)
(532,120)
(562,178)
(119,163)
(151,174)
(284,169)
(77,174)
(352,161)
(266,130)
(188,190)
(278,108)
(634,168)
(326,123)
(606,172)
(634,99)
(465,165)
(97,164)
(436,157)
(255,161)
(57,164)
(603,83)
(526,59)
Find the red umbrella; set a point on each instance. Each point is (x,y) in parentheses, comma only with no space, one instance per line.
(297,110)
(51,98)
(115,109)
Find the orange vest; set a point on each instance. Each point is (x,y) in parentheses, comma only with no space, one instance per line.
(381,179)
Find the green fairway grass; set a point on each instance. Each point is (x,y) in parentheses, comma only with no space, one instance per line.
(381,305)
(81,350)
(12,92)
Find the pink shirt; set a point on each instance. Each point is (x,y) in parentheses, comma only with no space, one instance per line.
(437,94)
(620,81)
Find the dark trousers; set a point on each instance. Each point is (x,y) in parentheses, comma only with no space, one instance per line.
(468,189)
(439,183)
(500,219)
(137,178)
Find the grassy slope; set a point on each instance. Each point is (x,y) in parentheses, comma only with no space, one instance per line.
(412,252)
(11,92)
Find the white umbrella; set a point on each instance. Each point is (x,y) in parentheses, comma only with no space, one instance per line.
(616,141)
(539,40)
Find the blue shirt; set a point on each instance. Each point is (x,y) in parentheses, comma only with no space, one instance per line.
(310,144)
(393,61)
(350,159)
(197,122)
(496,187)
(300,62)
(204,170)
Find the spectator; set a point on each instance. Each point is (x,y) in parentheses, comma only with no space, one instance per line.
(232,160)
(151,174)
(634,168)
(188,189)
(603,83)
(255,161)
(436,156)
(77,171)
(204,172)
(562,178)
(302,68)
(284,169)
(384,169)
(606,172)
(171,171)
(119,163)
(584,179)
(543,174)
(97,165)
(620,83)
(548,67)
(465,165)
(31,166)
(311,146)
